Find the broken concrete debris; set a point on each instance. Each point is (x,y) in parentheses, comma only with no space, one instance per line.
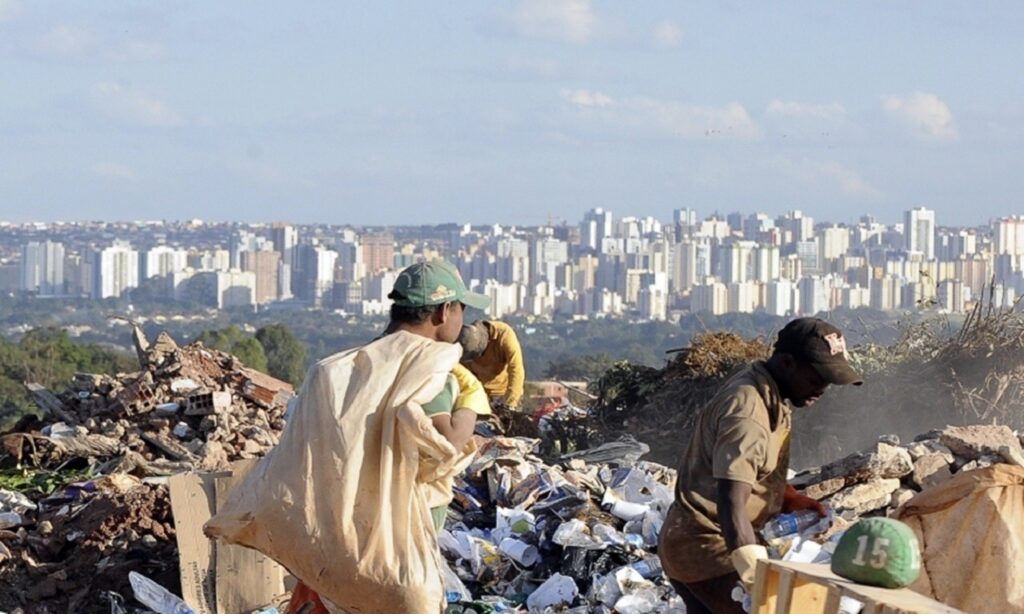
(188,404)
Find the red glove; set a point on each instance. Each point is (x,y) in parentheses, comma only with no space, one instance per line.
(793,501)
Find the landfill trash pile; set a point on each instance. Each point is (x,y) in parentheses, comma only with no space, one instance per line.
(188,407)
(658,406)
(580,532)
(929,377)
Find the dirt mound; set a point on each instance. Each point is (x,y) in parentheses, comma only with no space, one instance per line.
(82,545)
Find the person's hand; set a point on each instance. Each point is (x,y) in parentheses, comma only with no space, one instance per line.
(793,501)
(745,559)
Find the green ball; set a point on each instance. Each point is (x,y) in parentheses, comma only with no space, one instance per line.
(880,552)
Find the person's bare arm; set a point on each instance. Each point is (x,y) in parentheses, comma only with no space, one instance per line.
(456,427)
(732,513)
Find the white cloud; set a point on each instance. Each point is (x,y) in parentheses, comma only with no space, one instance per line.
(826,174)
(132,106)
(586,98)
(65,41)
(642,114)
(829,112)
(668,35)
(113,170)
(926,114)
(849,181)
(9,9)
(570,21)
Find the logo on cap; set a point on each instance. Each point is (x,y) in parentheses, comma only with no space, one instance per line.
(441,292)
(836,344)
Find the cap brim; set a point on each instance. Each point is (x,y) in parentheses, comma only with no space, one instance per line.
(476,300)
(838,373)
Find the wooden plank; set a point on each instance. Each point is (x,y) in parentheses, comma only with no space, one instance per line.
(787,578)
(903,600)
(808,595)
(759,596)
(832,600)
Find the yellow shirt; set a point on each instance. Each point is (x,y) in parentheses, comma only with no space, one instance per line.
(500,367)
(742,434)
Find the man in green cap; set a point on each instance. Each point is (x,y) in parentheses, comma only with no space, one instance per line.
(732,477)
(428,300)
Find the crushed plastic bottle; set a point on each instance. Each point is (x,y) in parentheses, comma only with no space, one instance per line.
(648,567)
(156,597)
(788,524)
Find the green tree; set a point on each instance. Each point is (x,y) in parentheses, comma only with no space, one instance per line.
(233,341)
(579,368)
(286,356)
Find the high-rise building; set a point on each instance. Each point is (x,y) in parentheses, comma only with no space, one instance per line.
(285,238)
(709,297)
(266,266)
(378,252)
(546,255)
(597,225)
(919,231)
(1008,235)
(42,268)
(115,270)
(163,260)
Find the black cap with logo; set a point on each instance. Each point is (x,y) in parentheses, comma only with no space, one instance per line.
(822,346)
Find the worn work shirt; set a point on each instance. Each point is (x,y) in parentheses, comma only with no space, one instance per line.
(742,435)
(500,367)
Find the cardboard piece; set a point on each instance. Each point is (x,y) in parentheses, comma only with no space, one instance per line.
(217,578)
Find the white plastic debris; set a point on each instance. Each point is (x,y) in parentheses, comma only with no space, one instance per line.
(182,430)
(576,534)
(183,385)
(519,551)
(9,520)
(58,430)
(11,501)
(454,590)
(558,590)
(639,602)
(156,597)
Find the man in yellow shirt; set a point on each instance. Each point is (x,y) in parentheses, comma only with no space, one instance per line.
(491,352)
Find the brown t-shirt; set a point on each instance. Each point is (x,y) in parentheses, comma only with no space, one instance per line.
(743,435)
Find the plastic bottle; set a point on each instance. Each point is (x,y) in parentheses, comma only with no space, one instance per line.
(649,567)
(156,597)
(788,524)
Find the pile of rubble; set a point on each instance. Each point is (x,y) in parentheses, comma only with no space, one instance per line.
(73,550)
(884,478)
(188,407)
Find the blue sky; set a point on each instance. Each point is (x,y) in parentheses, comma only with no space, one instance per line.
(508,112)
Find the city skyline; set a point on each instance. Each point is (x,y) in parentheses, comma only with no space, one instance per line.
(627,266)
(507,112)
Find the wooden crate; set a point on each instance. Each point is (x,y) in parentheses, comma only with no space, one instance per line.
(804,588)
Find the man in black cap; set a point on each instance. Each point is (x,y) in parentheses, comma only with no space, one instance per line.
(732,477)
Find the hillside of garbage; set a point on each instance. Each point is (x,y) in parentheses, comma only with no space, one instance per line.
(538,521)
(932,376)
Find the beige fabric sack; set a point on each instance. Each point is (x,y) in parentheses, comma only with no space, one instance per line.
(343,501)
(971,530)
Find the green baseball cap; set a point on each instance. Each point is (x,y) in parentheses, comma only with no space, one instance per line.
(880,552)
(434,283)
